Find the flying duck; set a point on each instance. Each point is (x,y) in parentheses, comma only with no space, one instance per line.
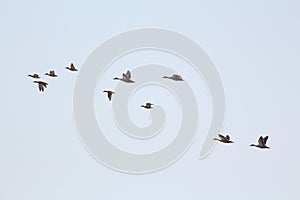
(109,94)
(174,77)
(51,73)
(42,85)
(72,68)
(125,77)
(262,143)
(224,139)
(148,105)
(34,75)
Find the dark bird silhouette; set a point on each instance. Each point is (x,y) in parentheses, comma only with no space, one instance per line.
(51,73)
(34,75)
(72,68)
(174,77)
(224,139)
(148,105)
(109,94)
(262,143)
(125,77)
(42,85)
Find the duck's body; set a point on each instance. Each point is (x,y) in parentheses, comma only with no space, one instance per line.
(224,139)
(125,77)
(174,77)
(109,94)
(42,85)
(262,143)
(148,105)
(72,68)
(34,76)
(51,73)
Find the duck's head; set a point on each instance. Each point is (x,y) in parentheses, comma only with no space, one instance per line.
(116,78)
(252,145)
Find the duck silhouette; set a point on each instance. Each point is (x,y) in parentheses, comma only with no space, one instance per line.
(224,139)
(125,77)
(109,94)
(174,77)
(262,143)
(148,105)
(51,73)
(72,68)
(34,76)
(42,85)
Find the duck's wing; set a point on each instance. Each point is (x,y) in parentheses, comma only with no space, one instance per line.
(128,74)
(109,95)
(228,137)
(222,137)
(261,141)
(40,87)
(44,84)
(177,77)
(265,139)
(124,77)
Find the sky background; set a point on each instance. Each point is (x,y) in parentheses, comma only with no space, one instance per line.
(255,46)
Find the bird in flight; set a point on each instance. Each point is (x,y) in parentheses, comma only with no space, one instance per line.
(174,77)
(109,94)
(224,139)
(125,77)
(34,75)
(42,85)
(72,68)
(262,143)
(148,105)
(51,73)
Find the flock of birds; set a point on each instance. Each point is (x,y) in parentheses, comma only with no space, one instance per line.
(126,78)
(42,84)
(262,141)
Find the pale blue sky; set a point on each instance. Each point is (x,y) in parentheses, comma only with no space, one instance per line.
(255,46)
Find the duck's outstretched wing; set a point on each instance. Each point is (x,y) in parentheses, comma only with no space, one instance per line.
(176,76)
(41,87)
(128,74)
(222,137)
(261,141)
(265,139)
(228,137)
(109,95)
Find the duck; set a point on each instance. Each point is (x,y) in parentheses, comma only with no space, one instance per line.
(224,139)
(262,143)
(42,85)
(148,105)
(174,77)
(109,94)
(51,73)
(34,76)
(72,68)
(125,77)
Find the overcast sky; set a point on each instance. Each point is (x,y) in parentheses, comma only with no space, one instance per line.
(255,46)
